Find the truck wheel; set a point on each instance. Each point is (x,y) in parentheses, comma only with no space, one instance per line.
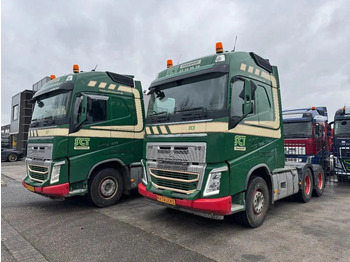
(106,187)
(305,193)
(319,182)
(257,204)
(12,157)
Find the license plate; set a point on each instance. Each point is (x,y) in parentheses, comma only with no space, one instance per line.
(166,200)
(30,188)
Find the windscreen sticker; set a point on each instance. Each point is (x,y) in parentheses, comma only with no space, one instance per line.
(240,143)
(82,143)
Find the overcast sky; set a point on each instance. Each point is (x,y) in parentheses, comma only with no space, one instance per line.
(309,41)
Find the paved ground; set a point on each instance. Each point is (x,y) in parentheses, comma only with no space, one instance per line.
(138,230)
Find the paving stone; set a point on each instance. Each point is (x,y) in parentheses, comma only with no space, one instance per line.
(19,247)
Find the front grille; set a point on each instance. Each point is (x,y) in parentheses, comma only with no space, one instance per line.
(38,169)
(182,152)
(38,173)
(177,167)
(182,182)
(345,156)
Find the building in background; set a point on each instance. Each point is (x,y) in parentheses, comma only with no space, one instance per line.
(21,115)
(37,86)
(5,130)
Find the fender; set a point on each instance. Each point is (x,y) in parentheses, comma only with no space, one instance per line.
(252,170)
(106,161)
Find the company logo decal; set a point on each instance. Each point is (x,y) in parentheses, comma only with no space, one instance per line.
(240,143)
(82,143)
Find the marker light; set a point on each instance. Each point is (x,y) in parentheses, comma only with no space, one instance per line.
(169,63)
(75,69)
(219,48)
(313,108)
(52,77)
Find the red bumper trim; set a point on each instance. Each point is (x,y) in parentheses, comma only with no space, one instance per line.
(218,206)
(57,190)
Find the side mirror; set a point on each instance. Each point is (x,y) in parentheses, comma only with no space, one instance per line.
(83,112)
(246,95)
(249,90)
(330,124)
(79,113)
(247,98)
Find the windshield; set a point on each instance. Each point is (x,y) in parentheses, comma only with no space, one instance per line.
(342,128)
(190,99)
(297,130)
(52,109)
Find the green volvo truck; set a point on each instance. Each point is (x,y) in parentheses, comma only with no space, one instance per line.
(86,137)
(214,142)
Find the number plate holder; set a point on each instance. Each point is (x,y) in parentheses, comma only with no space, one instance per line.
(166,200)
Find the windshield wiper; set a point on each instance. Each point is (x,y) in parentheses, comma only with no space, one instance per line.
(159,117)
(192,113)
(159,113)
(190,109)
(50,120)
(34,123)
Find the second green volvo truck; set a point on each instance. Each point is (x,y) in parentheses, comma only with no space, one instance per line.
(214,140)
(86,137)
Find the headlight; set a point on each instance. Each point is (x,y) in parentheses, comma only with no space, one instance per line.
(55,173)
(144,176)
(213,183)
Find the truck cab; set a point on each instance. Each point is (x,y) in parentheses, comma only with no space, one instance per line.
(306,135)
(86,137)
(214,139)
(341,143)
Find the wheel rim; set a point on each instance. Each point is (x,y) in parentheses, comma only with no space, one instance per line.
(307,185)
(258,202)
(108,187)
(320,181)
(12,157)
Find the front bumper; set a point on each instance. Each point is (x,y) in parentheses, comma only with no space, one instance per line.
(54,191)
(216,206)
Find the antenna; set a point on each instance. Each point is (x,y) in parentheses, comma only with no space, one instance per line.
(178,61)
(94,68)
(234,48)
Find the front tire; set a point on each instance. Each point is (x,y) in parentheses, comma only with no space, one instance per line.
(257,203)
(106,187)
(12,157)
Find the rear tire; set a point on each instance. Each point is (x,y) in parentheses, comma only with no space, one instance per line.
(106,187)
(12,157)
(320,180)
(305,192)
(257,204)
